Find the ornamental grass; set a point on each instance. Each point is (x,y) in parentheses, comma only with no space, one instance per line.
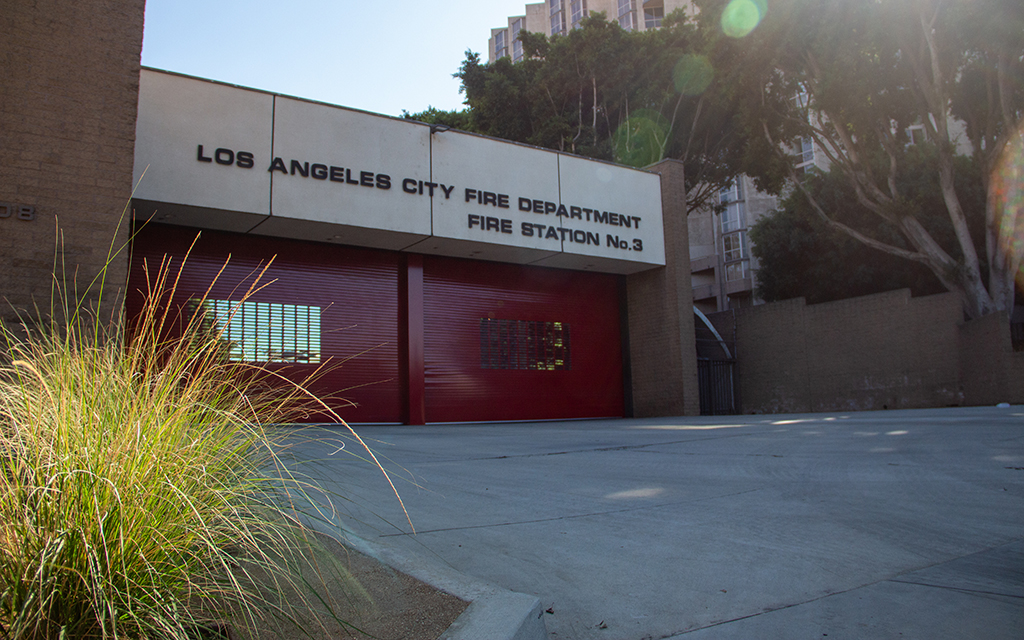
(141,491)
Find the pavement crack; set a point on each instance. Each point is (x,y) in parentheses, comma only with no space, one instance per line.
(569,517)
(959,589)
(625,447)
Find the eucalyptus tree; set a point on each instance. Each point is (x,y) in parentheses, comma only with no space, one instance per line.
(858,77)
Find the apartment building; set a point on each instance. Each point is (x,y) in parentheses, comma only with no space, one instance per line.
(556,17)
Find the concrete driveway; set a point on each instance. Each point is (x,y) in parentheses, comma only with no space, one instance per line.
(898,524)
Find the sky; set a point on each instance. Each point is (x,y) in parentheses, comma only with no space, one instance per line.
(379,57)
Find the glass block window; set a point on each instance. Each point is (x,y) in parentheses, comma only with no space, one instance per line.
(523,344)
(265,331)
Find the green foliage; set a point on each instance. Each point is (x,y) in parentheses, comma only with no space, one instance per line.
(141,490)
(634,97)
(455,119)
(799,255)
(853,76)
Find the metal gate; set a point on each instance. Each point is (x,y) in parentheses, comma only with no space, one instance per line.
(716,379)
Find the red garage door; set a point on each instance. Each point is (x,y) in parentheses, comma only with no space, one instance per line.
(506,342)
(323,304)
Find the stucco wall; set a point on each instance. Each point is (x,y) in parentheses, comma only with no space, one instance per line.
(69,74)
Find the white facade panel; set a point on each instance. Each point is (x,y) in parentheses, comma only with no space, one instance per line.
(346,167)
(203,144)
(495,189)
(618,205)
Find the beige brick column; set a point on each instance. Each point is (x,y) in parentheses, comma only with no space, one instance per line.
(662,351)
(69,81)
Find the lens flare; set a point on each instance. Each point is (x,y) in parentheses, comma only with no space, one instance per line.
(692,75)
(742,16)
(641,140)
(1008,187)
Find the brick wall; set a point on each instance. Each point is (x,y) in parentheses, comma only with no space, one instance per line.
(663,361)
(69,77)
(887,351)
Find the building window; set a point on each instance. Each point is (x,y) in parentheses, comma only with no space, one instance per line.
(737,271)
(627,14)
(916,134)
(522,344)
(517,46)
(264,331)
(804,155)
(500,44)
(577,11)
(653,17)
(732,214)
(557,18)
(733,245)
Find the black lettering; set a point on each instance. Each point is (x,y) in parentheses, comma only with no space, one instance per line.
(506,225)
(224,156)
(524,204)
(579,236)
(638,244)
(348,177)
(600,216)
(549,207)
(490,198)
(594,239)
(552,233)
(409,185)
(319,171)
(538,206)
(492,224)
(430,188)
(612,241)
(502,201)
(447,191)
(337,174)
(278,165)
(526,229)
(636,221)
(562,211)
(576,212)
(588,212)
(201,157)
(366,178)
(245,160)
(302,168)
(383,181)
(474,220)
(470,194)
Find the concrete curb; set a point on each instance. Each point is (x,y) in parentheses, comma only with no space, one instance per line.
(493,613)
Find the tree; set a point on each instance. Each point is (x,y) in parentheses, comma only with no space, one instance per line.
(854,76)
(454,119)
(603,92)
(799,255)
